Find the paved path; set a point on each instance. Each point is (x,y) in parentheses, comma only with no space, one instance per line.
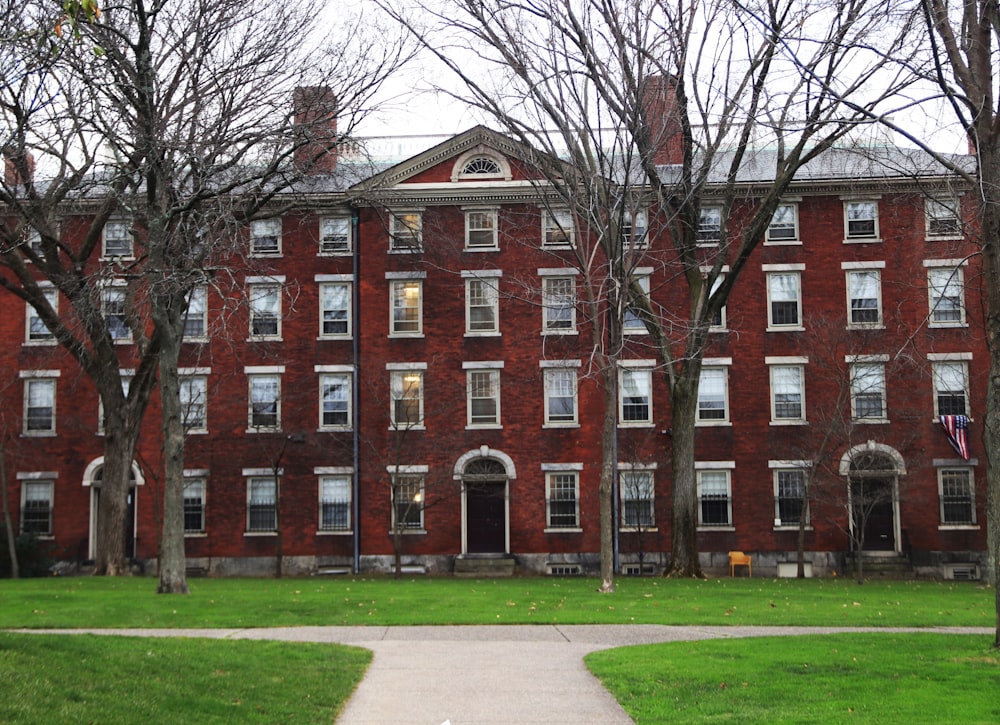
(487,675)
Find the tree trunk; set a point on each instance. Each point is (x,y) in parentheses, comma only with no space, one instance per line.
(119,446)
(606,488)
(684,534)
(8,525)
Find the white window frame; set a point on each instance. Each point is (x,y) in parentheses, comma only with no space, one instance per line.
(778,367)
(950,377)
(637,486)
(342,378)
(260,483)
(335,490)
(115,309)
(196,314)
(776,294)
(406,234)
(481,230)
(406,320)
(195,483)
(336,237)
(37,332)
(632,324)
(482,303)
(482,384)
(858,277)
(335,322)
(562,486)
(946,225)
(261,292)
(194,410)
(718,369)
(635,229)
(558,229)
(945,281)
(779,470)
(853,208)
(261,232)
(119,233)
(39,383)
(637,374)
(867,379)
(710,475)
(556,374)
(34,488)
(784,225)
(414,479)
(709,231)
(718,324)
(257,378)
(559,306)
(406,378)
(943,497)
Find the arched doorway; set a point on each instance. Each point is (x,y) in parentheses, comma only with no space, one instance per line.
(485,501)
(93,476)
(872,472)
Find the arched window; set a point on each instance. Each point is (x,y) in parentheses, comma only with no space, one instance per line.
(481,166)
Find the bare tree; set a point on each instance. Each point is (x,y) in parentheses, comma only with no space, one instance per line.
(663,104)
(161,129)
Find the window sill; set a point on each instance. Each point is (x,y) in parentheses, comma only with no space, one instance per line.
(941,325)
(713,424)
(558,247)
(266,255)
(870,421)
(573,331)
(40,343)
(260,533)
(348,532)
(789,422)
(959,527)
(39,434)
(865,326)
(482,249)
(195,535)
(569,425)
(863,240)
(409,532)
(262,429)
(936,420)
(635,424)
(483,333)
(404,428)
(566,530)
(943,238)
(265,338)
(715,528)
(345,336)
(792,527)
(638,530)
(416,250)
(785,328)
(405,335)
(343,253)
(782,242)
(484,426)
(196,431)
(194,340)
(335,429)
(635,331)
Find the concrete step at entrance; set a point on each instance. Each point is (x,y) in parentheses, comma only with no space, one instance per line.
(485,566)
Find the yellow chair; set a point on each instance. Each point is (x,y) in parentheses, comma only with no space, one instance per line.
(738,558)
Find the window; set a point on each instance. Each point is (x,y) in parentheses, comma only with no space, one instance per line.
(36,507)
(335,503)
(784,226)
(265,237)
(862,219)
(562,500)
(868,391)
(714,499)
(481,229)
(265,402)
(196,313)
(335,400)
(558,304)
(864,298)
(117,239)
(262,504)
(634,230)
(710,225)
(335,235)
(557,228)
(39,406)
(958,496)
(113,301)
(633,324)
(784,300)
(789,496)
(408,501)
(335,309)
(194,505)
(407,390)
(405,233)
(713,395)
(787,393)
(560,396)
(265,311)
(942,217)
(951,388)
(946,288)
(36,330)
(481,166)
(636,493)
(635,395)
(483,397)
(718,322)
(482,306)
(407,307)
(194,401)
(33,238)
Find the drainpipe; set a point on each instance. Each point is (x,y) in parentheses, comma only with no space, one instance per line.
(355,392)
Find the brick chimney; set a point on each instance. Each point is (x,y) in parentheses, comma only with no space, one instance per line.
(659,101)
(18,166)
(315,110)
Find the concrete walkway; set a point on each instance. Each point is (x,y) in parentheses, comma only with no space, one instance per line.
(470,675)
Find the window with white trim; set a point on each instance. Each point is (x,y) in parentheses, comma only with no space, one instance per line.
(635,396)
(789,496)
(405,231)
(36,507)
(194,505)
(39,406)
(265,402)
(483,388)
(710,225)
(265,237)
(861,220)
(196,313)
(482,305)
(335,309)
(117,240)
(262,504)
(407,392)
(635,229)
(784,300)
(957,492)
(562,500)
(335,503)
(558,231)
(481,166)
(715,503)
(407,306)
(633,324)
(636,492)
(946,292)
(560,396)
(713,395)
(943,220)
(787,393)
(335,401)
(481,229)
(194,403)
(868,391)
(113,307)
(558,305)
(951,387)
(408,501)
(335,235)
(265,311)
(784,226)
(36,331)
(718,322)
(864,298)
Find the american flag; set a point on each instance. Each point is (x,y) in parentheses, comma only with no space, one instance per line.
(956,427)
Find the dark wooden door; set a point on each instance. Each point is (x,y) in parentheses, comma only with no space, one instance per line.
(486,518)
(875,496)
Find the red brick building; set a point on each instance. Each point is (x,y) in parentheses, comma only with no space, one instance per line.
(411,365)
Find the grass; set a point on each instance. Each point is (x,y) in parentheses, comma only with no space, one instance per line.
(915,678)
(131,602)
(58,679)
